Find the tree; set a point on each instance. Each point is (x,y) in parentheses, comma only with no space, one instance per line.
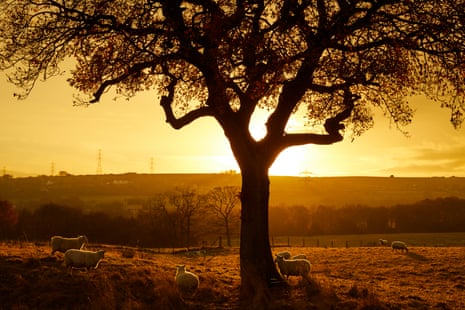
(335,60)
(160,224)
(223,201)
(187,204)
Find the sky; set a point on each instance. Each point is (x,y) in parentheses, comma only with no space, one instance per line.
(46,134)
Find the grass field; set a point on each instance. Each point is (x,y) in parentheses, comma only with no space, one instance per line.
(338,241)
(341,278)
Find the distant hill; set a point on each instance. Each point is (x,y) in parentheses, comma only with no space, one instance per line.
(288,191)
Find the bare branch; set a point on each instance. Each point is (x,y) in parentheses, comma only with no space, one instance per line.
(177,123)
(332,126)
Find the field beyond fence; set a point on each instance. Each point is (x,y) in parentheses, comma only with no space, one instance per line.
(339,241)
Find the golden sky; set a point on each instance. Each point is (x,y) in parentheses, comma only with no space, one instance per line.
(46,133)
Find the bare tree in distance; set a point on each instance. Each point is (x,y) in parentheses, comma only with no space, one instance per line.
(223,201)
(154,214)
(337,61)
(187,204)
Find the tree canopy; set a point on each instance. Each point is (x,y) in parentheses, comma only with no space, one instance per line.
(223,58)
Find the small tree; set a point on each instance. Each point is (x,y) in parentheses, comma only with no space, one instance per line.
(187,205)
(223,201)
(160,225)
(334,60)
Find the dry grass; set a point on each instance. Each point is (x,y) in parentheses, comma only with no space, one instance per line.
(353,278)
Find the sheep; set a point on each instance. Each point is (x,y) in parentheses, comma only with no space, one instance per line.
(383,242)
(62,244)
(284,254)
(287,255)
(187,282)
(294,267)
(399,245)
(83,259)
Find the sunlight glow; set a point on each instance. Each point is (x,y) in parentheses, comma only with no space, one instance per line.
(294,161)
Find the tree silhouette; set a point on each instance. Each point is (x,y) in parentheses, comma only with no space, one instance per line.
(223,201)
(187,204)
(335,60)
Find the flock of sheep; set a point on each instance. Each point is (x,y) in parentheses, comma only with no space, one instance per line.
(75,256)
(187,282)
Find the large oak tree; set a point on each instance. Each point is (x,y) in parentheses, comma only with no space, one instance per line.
(335,60)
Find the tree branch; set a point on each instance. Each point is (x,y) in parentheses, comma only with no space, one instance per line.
(332,126)
(177,123)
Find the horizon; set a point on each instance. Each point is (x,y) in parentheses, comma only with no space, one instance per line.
(47,134)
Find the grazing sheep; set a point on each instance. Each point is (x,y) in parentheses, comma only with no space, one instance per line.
(294,267)
(62,244)
(82,259)
(187,282)
(399,245)
(383,242)
(285,254)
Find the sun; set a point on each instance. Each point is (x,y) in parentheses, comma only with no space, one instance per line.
(293,161)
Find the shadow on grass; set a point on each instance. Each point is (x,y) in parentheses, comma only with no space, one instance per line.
(416,256)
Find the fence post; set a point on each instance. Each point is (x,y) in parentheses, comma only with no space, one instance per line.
(288,241)
(303,242)
(332,243)
(347,243)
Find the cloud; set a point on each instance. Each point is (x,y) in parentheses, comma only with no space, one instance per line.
(443,160)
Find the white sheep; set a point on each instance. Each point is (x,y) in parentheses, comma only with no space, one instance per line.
(383,242)
(399,245)
(294,267)
(62,244)
(82,259)
(285,254)
(187,282)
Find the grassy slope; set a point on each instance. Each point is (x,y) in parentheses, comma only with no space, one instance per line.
(374,277)
(288,191)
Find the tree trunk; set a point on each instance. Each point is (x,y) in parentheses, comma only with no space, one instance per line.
(258,271)
(228,235)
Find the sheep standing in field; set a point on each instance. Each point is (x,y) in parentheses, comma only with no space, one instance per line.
(62,244)
(287,255)
(383,242)
(284,254)
(187,282)
(399,245)
(294,267)
(83,259)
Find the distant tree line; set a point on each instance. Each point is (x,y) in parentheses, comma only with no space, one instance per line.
(438,215)
(179,218)
(184,218)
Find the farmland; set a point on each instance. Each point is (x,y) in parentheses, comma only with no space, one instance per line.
(341,278)
(288,191)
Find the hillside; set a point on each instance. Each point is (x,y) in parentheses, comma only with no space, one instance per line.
(330,191)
